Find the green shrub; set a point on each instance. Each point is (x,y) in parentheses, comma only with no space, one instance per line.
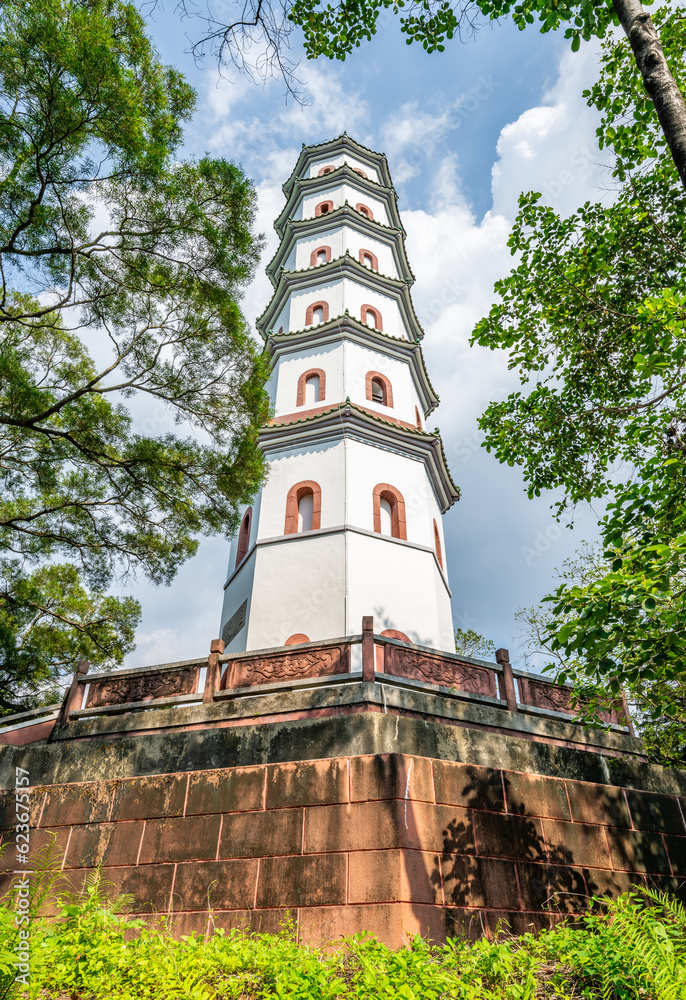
(632,948)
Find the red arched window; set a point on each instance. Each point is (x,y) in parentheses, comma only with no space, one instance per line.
(417,419)
(359,171)
(326,170)
(244,537)
(322,255)
(371,317)
(437,545)
(296,638)
(365,210)
(323,208)
(378,388)
(369,259)
(307,386)
(389,511)
(303,507)
(318,312)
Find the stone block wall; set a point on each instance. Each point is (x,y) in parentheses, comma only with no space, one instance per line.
(391,843)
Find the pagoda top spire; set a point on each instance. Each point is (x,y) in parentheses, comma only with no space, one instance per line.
(340,143)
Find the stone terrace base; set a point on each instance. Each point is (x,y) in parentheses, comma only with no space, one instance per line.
(396,844)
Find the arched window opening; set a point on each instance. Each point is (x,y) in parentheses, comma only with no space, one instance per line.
(322,255)
(389,504)
(318,377)
(371,317)
(358,170)
(303,507)
(323,208)
(364,210)
(243,537)
(378,389)
(317,312)
(326,170)
(386,515)
(298,637)
(369,259)
(437,545)
(417,419)
(305,511)
(312,389)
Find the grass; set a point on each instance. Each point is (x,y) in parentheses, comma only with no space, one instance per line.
(634,947)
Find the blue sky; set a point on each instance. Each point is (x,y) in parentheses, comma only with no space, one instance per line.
(464,131)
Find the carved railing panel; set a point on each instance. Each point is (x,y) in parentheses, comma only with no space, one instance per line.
(142,687)
(287,666)
(426,667)
(553,697)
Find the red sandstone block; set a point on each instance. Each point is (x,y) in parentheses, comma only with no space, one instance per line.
(437,924)
(104,843)
(676,849)
(9,807)
(603,804)
(601,882)
(675,886)
(384,825)
(302,881)
(261,834)
(254,921)
(180,839)
(479,882)
(659,813)
(634,851)
(392,876)
(44,844)
(500,836)
(576,844)
(67,805)
(228,789)
(391,776)
(150,887)
(307,783)
(555,888)
(468,785)
(504,922)
(187,924)
(223,885)
(322,925)
(535,795)
(146,798)
(465,924)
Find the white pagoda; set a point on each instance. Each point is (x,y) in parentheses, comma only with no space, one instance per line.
(349,521)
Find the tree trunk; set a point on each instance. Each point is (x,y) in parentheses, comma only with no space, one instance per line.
(657,77)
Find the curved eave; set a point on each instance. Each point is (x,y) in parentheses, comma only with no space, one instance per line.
(345,215)
(308,185)
(351,329)
(345,419)
(341,267)
(342,142)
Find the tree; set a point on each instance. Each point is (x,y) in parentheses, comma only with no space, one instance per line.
(657,702)
(594,319)
(335,29)
(470,643)
(120,273)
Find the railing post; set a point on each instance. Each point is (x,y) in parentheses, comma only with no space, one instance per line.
(368,664)
(73,698)
(502,656)
(212,677)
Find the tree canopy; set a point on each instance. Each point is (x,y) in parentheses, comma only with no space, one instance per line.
(121,269)
(593,317)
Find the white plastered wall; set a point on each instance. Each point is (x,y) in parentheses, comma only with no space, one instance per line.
(322,462)
(341,239)
(339,194)
(299,586)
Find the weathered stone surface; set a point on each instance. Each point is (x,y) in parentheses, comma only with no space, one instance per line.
(465,785)
(180,839)
(533,795)
(390,876)
(146,798)
(307,783)
(261,834)
(391,776)
(215,885)
(236,789)
(302,881)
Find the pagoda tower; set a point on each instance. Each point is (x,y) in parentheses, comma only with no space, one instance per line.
(349,521)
